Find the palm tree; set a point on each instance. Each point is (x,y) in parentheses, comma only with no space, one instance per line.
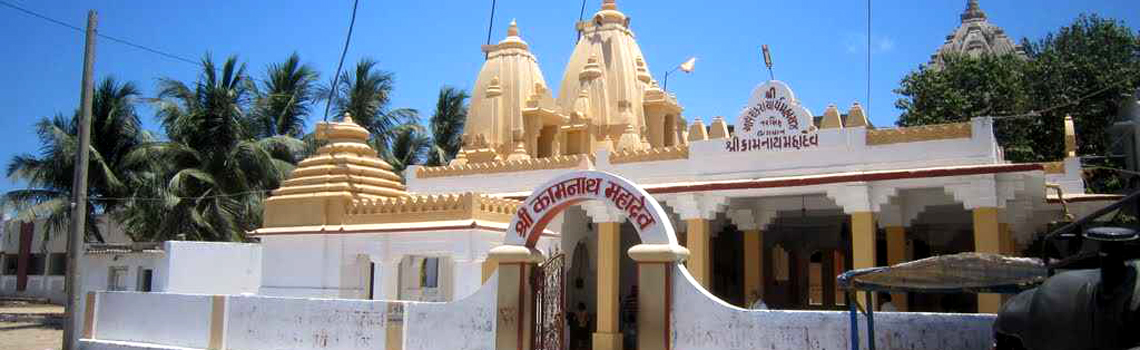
(217,172)
(409,145)
(447,125)
(365,94)
(115,131)
(284,98)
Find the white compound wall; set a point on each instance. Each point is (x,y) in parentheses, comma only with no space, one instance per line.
(700,321)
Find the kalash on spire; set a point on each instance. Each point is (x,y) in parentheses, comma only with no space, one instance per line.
(607,99)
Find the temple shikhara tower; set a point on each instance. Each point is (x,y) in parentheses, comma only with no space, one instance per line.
(976,36)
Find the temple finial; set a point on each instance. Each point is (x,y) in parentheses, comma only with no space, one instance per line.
(609,4)
(348,118)
(513,29)
(973,11)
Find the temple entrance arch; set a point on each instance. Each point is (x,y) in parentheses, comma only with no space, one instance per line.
(656,257)
(550,199)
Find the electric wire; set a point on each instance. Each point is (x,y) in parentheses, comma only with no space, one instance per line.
(336,78)
(101,35)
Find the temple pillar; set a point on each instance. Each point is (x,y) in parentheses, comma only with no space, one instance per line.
(699,263)
(896,254)
(515,296)
(753,265)
(987,239)
(607,336)
(655,264)
(862,246)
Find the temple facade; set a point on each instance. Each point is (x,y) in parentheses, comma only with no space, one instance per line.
(770,208)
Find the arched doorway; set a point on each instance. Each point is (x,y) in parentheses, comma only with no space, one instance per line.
(656,253)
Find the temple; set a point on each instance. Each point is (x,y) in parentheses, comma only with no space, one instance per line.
(975,36)
(609,183)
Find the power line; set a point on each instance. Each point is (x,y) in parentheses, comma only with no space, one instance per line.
(1037,113)
(101,35)
(332,89)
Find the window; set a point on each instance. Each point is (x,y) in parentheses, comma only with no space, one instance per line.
(36,267)
(117,278)
(10,264)
(429,273)
(146,276)
(58,266)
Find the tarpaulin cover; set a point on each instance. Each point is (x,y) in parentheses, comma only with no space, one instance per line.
(964,272)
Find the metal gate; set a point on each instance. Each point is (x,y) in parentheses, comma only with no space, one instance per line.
(549,283)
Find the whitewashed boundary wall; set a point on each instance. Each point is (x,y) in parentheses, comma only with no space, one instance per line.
(129,321)
(255,323)
(171,319)
(465,324)
(701,321)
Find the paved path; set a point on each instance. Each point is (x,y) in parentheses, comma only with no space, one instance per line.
(28,325)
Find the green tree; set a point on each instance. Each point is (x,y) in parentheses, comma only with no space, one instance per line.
(1083,70)
(447,125)
(365,94)
(115,131)
(216,171)
(285,97)
(409,145)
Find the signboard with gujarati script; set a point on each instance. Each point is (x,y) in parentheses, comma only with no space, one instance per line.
(548,200)
(773,120)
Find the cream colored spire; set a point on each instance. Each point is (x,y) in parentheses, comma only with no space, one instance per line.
(697,131)
(718,129)
(831,119)
(509,82)
(856,117)
(622,67)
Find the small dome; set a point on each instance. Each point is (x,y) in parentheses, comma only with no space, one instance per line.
(345,164)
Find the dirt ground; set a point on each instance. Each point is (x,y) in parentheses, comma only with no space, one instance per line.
(30,325)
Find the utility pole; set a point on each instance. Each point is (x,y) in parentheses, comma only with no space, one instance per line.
(74,325)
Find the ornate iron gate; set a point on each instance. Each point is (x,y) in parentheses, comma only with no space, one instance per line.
(549,281)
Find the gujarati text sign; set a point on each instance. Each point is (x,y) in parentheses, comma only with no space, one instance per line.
(773,120)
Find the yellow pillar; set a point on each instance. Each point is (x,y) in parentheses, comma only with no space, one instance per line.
(753,265)
(699,265)
(489,267)
(608,336)
(1007,246)
(987,239)
(862,245)
(896,253)
(515,297)
(655,264)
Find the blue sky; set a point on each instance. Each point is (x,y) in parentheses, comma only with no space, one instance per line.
(819,47)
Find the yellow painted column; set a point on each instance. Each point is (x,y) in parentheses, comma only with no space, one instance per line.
(514,295)
(608,336)
(655,264)
(489,267)
(1007,246)
(896,254)
(753,265)
(862,245)
(987,239)
(699,264)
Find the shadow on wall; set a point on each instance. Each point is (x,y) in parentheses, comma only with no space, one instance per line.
(701,321)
